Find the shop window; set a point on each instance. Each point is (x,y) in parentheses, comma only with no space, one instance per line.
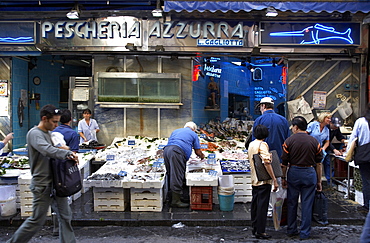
(257,74)
(139,87)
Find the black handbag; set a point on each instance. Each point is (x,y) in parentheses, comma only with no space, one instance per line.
(261,171)
(362,155)
(66,177)
(320,208)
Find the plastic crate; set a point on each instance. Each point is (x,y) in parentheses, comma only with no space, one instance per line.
(201,197)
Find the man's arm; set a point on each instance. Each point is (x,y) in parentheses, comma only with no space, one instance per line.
(199,153)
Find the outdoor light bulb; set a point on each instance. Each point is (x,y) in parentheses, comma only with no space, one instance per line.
(73,14)
(271,12)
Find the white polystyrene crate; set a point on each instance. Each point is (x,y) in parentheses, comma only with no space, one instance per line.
(243,192)
(24,188)
(242,179)
(146,209)
(110,205)
(242,198)
(146,194)
(26,202)
(111,193)
(147,203)
(26,211)
(243,186)
(201,179)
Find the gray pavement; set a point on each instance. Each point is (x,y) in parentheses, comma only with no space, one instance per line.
(340,211)
(345,224)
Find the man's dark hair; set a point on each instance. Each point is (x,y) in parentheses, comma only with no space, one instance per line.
(300,122)
(268,105)
(86,111)
(66,116)
(260,132)
(49,111)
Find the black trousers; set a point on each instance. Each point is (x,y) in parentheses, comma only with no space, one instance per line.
(175,162)
(259,206)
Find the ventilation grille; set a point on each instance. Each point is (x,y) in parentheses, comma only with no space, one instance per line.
(84,82)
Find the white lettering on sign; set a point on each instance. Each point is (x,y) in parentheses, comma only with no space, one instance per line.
(219,42)
(220,34)
(88,30)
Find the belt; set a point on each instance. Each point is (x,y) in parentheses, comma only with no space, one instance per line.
(302,165)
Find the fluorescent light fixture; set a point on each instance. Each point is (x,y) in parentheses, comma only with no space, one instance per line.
(157,13)
(271,12)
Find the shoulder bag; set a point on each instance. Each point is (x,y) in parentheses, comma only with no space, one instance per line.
(259,166)
(66,177)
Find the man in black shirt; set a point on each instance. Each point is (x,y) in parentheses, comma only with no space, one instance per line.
(334,132)
(303,154)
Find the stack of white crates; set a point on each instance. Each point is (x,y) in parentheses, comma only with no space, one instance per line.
(25,194)
(110,199)
(147,195)
(243,187)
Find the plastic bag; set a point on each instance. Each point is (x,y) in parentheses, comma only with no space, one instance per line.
(277,201)
(320,208)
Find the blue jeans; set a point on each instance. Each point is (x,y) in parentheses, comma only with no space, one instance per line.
(365,236)
(365,176)
(301,181)
(326,163)
(40,204)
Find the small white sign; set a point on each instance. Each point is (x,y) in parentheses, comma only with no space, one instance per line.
(219,42)
(80,94)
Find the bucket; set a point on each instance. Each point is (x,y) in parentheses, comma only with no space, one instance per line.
(226,181)
(226,202)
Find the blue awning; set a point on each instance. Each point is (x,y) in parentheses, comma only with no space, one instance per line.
(201,6)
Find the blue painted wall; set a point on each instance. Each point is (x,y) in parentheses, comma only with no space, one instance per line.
(50,76)
(19,81)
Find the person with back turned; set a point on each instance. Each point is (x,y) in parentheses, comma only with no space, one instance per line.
(176,153)
(40,150)
(302,154)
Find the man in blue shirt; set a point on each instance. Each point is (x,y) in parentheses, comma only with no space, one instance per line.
(278,130)
(70,136)
(277,125)
(176,153)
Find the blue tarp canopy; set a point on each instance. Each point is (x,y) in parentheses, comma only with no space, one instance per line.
(201,6)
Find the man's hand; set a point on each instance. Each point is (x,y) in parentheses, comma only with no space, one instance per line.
(74,157)
(319,187)
(337,152)
(276,186)
(284,183)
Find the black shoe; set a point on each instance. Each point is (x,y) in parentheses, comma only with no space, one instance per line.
(293,234)
(263,236)
(253,231)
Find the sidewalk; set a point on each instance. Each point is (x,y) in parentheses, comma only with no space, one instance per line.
(340,211)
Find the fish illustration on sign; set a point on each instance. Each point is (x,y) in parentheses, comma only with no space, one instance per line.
(16,39)
(317,33)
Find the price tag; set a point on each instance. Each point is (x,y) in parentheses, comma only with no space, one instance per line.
(160,160)
(157,164)
(211,161)
(211,156)
(110,157)
(122,173)
(203,135)
(245,150)
(161,146)
(212,173)
(204,146)
(131,142)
